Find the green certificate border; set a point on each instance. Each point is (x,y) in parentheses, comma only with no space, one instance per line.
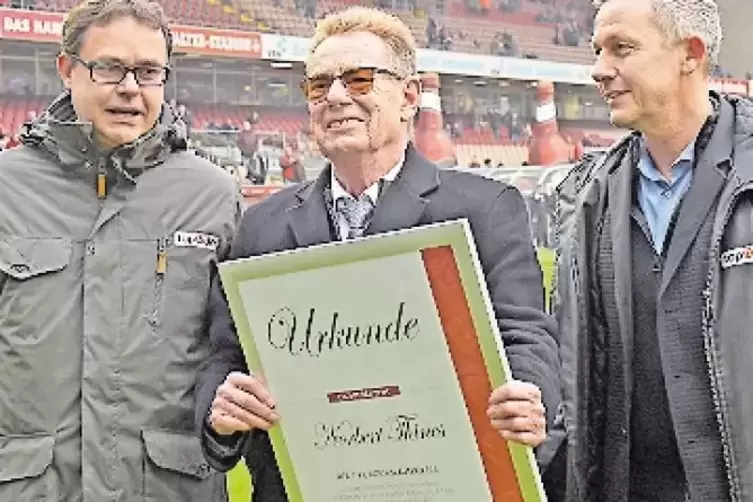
(457,235)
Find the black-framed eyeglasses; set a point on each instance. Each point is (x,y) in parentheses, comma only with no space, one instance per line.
(357,82)
(110,72)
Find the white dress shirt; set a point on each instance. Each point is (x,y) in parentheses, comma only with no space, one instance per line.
(372,192)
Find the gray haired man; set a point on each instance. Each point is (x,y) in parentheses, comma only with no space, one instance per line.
(109,231)
(655,275)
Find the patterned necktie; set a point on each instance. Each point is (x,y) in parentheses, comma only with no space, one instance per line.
(357,213)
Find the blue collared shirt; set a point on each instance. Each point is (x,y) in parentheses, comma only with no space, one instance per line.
(659,197)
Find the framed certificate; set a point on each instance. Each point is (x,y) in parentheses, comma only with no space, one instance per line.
(381,353)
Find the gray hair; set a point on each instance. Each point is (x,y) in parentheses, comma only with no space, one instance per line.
(102,12)
(682,19)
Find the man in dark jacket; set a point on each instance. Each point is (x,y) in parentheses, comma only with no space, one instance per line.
(364,130)
(655,272)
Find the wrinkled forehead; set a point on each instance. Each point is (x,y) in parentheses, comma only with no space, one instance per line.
(125,40)
(623,11)
(340,53)
(619,19)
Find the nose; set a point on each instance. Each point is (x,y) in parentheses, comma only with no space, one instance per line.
(337,93)
(603,69)
(129,84)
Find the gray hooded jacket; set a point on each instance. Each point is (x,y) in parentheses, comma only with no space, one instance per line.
(105,266)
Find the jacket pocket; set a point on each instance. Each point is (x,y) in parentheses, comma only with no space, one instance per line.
(185,293)
(23,258)
(38,303)
(175,469)
(25,263)
(182,281)
(23,462)
(190,269)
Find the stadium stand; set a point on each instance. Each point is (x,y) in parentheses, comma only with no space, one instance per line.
(488,119)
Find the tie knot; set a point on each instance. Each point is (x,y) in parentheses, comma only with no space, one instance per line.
(356,212)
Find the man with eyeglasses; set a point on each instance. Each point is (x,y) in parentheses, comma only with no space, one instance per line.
(362,93)
(109,232)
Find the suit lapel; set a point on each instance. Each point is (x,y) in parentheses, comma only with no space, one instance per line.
(708,181)
(402,203)
(309,219)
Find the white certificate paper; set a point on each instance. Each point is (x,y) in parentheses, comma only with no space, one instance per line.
(378,371)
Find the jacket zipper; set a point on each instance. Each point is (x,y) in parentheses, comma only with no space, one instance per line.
(711,350)
(101,180)
(160,269)
(553,292)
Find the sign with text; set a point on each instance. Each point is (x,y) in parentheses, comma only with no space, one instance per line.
(33,26)
(379,379)
(37,26)
(211,42)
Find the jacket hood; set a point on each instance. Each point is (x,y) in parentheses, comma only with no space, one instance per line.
(69,140)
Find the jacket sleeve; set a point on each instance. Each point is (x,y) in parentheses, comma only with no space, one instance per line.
(554,473)
(516,289)
(222,452)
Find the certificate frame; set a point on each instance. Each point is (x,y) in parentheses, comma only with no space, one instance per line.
(466,316)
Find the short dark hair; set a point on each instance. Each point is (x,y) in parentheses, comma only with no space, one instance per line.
(102,12)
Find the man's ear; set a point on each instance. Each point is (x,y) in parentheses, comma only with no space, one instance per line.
(695,55)
(65,69)
(411,98)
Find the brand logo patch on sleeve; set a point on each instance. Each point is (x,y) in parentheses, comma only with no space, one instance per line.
(737,256)
(196,240)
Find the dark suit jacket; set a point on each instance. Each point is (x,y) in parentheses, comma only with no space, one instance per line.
(422,194)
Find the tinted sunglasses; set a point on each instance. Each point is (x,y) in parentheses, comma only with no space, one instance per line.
(357,82)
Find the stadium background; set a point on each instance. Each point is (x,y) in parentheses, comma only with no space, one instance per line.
(240,61)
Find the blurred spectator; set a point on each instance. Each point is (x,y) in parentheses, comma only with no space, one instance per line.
(557,38)
(516,126)
(571,34)
(504,44)
(432,31)
(292,169)
(12,142)
(186,116)
(495,123)
(438,36)
(507,6)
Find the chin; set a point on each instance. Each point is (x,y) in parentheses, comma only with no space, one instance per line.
(344,145)
(114,139)
(621,119)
